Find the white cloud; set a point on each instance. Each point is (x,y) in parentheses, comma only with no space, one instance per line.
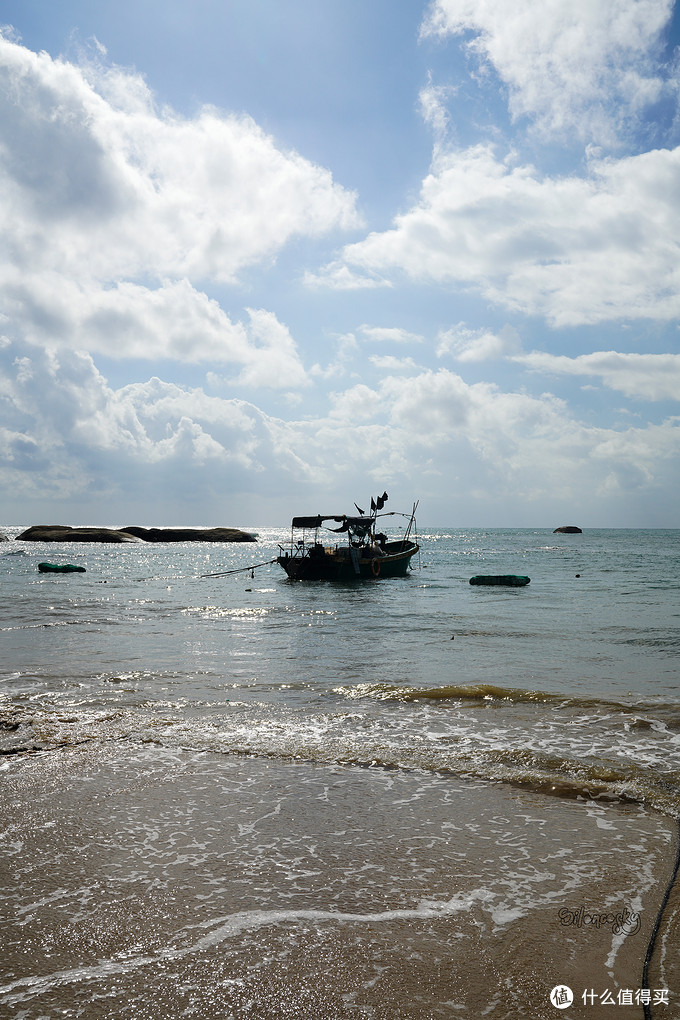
(580,69)
(642,376)
(357,405)
(393,334)
(274,361)
(72,434)
(433,101)
(127,320)
(572,250)
(346,348)
(67,434)
(119,220)
(470,345)
(388,364)
(113,213)
(516,446)
(102,181)
(337,276)
(478,450)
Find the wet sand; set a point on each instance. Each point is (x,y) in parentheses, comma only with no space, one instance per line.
(139,881)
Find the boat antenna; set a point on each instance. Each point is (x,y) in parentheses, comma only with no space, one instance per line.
(412,520)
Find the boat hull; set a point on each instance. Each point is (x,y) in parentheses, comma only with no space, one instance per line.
(319,564)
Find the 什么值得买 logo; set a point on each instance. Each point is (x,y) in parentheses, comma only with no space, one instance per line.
(561,996)
(621,922)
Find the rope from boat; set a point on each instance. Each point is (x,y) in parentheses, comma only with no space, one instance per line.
(657,924)
(240,570)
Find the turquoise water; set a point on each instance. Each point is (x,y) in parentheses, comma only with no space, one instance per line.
(395,779)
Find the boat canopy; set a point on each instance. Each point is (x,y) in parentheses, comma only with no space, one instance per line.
(314,522)
(346,523)
(359,525)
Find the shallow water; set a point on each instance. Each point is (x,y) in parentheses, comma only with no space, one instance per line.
(338,800)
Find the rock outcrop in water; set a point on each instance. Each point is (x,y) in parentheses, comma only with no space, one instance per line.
(568,529)
(3,538)
(64,533)
(189,534)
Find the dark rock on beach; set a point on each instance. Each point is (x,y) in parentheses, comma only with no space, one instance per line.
(63,533)
(568,529)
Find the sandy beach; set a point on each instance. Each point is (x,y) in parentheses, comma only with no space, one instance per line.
(139,881)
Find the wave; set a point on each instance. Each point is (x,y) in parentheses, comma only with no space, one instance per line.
(486,693)
(469,692)
(618,753)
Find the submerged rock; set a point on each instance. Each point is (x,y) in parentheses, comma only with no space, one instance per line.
(568,529)
(64,533)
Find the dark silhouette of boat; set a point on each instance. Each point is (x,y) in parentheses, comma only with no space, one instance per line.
(364,555)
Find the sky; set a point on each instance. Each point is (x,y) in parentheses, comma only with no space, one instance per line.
(261,260)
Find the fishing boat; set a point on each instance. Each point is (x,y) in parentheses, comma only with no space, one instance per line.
(364,554)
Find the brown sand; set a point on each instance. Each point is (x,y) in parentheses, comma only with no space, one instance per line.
(148,883)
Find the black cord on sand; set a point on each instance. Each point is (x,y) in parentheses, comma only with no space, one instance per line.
(657,925)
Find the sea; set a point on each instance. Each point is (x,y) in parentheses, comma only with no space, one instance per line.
(240,796)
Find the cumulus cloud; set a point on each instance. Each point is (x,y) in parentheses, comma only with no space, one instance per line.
(572,250)
(433,100)
(127,320)
(389,363)
(87,150)
(274,361)
(113,213)
(120,220)
(338,276)
(577,248)
(62,417)
(346,349)
(393,334)
(478,450)
(642,376)
(580,68)
(68,434)
(470,345)
(512,445)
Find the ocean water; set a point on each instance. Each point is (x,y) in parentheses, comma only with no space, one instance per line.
(242,796)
